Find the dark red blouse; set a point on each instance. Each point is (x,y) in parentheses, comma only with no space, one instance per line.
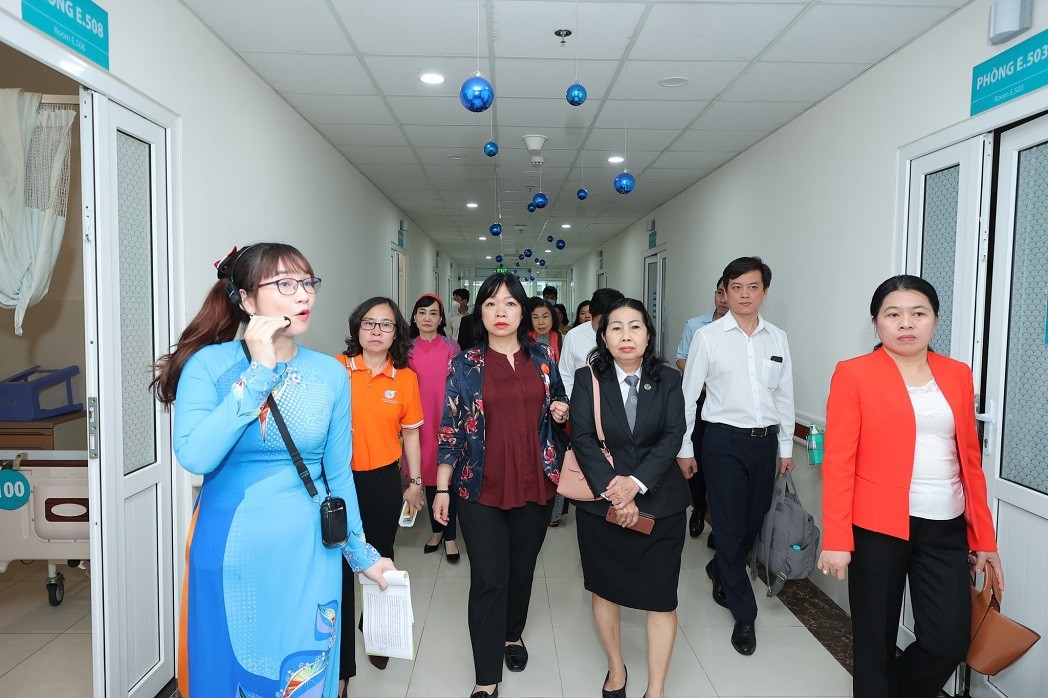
(513,401)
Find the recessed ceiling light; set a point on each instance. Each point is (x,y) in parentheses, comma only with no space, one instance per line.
(673,82)
(482,238)
(488,257)
(431,78)
(472,205)
(565,225)
(457,156)
(616,159)
(548,251)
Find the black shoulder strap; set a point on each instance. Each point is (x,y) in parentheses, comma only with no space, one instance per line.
(303,472)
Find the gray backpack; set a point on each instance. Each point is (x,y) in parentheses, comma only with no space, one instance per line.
(789,539)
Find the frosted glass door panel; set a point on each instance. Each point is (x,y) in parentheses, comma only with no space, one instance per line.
(939,252)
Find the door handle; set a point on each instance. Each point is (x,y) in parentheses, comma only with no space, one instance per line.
(990,415)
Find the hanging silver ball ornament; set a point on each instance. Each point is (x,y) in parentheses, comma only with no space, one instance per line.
(540,200)
(625,182)
(549,238)
(495,229)
(476,93)
(582,194)
(531,207)
(542,262)
(499,258)
(491,149)
(561,244)
(576,95)
(528,252)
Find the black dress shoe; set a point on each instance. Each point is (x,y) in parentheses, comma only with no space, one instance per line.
(516,657)
(618,692)
(696,523)
(718,588)
(378,661)
(485,694)
(744,638)
(451,557)
(427,548)
(709,542)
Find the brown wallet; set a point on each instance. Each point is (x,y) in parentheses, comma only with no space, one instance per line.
(644,521)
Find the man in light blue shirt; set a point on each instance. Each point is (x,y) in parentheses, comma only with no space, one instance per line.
(697,481)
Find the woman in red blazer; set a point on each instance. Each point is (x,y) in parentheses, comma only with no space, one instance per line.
(904,496)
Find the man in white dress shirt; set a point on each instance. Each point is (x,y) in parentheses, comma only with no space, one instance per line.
(581,340)
(744,362)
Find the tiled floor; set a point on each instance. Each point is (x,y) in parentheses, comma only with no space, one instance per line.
(46,651)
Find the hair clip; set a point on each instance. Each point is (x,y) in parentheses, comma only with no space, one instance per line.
(220,264)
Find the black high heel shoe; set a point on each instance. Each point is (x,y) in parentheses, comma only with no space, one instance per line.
(618,692)
(452,557)
(427,548)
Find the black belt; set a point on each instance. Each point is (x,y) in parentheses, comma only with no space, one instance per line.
(757,432)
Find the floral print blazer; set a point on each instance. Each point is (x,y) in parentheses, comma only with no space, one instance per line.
(460,441)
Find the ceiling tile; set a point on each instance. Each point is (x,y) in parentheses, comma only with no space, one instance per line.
(752,116)
(550,78)
(702,140)
(450,136)
(443,110)
(413,27)
(557,138)
(693,160)
(806,82)
(310,72)
(399,75)
(854,33)
(648,114)
(688,176)
(341,109)
(706,79)
(393,171)
(272,25)
(680,31)
(605,141)
(539,114)
(344,134)
(378,155)
(524,28)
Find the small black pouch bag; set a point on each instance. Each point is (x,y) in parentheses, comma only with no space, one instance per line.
(334,531)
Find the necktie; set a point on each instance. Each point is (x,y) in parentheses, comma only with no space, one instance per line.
(631,400)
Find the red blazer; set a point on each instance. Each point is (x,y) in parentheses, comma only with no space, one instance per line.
(871,434)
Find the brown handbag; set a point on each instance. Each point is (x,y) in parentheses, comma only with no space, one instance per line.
(572,483)
(997,641)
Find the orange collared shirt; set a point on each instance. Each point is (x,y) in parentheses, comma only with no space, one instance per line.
(382,405)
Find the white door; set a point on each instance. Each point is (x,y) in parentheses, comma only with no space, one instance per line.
(946,245)
(1016,394)
(126,262)
(655,294)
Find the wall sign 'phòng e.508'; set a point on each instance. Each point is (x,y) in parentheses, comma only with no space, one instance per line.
(1021,69)
(79,24)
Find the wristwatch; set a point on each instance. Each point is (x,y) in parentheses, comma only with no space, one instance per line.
(415,480)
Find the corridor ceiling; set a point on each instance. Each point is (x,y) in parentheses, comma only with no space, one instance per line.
(352,67)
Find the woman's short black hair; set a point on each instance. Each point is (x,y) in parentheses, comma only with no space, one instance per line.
(601,358)
(535,302)
(903,282)
(401,347)
(424,301)
(487,290)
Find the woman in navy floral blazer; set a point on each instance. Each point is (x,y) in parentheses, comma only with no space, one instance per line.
(495,453)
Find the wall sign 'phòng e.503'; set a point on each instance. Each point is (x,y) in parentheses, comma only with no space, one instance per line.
(1021,69)
(79,24)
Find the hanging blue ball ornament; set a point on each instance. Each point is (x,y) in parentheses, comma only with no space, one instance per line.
(476,94)
(491,149)
(499,258)
(582,194)
(542,262)
(625,182)
(576,95)
(517,264)
(520,257)
(549,238)
(531,207)
(528,252)
(495,229)
(540,200)
(561,244)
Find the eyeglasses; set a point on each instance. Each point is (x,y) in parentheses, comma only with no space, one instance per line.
(288,287)
(386,326)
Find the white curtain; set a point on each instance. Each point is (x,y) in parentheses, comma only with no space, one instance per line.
(34,193)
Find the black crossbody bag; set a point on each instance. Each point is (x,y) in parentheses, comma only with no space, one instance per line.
(334,531)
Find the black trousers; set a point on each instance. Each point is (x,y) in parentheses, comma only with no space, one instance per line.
(451,530)
(502,546)
(935,559)
(380,495)
(697,483)
(740,476)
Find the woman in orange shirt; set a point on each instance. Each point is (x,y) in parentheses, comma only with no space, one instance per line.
(904,496)
(385,406)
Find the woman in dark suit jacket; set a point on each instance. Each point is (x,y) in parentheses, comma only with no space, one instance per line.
(642,415)
(904,496)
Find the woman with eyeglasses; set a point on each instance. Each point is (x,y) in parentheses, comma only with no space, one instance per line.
(386,406)
(260,610)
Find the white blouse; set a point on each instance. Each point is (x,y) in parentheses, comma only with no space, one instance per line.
(935,487)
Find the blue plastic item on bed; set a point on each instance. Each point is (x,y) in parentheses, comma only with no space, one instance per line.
(20,394)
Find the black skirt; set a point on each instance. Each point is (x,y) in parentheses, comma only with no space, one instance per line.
(629,568)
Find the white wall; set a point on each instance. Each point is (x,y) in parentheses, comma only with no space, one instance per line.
(817,200)
(253,169)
